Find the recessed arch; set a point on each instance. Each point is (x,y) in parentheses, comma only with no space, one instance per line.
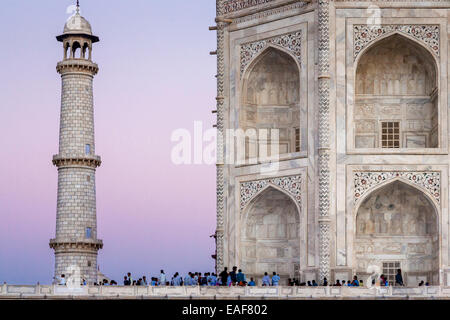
(396,95)
(270,234)
(270,104)
(397,223)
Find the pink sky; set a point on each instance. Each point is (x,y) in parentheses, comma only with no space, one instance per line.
(155,76)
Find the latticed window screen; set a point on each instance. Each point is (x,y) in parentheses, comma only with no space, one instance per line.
(390,270)
(390,134)
(297,139)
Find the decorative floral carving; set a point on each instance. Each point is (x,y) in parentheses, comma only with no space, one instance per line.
(430,181)
(292,184)
(249,51)
(236,5)
(364,34)
(270,12)
(291,41)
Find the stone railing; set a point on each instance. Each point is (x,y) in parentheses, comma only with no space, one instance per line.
(8,291)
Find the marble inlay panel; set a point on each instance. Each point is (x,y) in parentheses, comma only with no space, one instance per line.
(291,41)
(429,181)
(364,34)
(291,184)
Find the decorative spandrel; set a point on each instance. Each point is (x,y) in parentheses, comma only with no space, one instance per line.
(430,182)
(292,42)
(364,35)
(291,184)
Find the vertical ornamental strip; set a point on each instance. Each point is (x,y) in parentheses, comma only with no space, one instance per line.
(76,244)
(324,138)
(220,135)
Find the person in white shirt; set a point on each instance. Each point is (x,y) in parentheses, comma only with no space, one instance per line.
(62,281)
(162,278)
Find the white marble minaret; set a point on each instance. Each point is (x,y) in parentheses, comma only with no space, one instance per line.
(76,244)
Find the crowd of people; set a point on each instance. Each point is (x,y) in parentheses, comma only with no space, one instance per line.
(233,278)
(236,278)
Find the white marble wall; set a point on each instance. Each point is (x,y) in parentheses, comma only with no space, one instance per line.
(292,163)
(251,26)
(351,159)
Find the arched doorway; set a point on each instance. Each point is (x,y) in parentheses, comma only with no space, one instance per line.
(270,236)
(271,100)
(397,227)
(396,96)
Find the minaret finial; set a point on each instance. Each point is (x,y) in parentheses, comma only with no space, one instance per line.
(78,6)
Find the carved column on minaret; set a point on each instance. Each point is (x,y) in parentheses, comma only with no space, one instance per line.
(324,138)
(220,135)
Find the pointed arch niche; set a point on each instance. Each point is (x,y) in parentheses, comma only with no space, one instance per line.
(270,235)
(271,101)
(398,224)
(396,96)
(272,97)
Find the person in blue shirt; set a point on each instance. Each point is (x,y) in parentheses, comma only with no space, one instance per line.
(314,283)
(251,283)
(355,282)
(214,280)
(275,279)
(266,280)
(187,280)
(240,277)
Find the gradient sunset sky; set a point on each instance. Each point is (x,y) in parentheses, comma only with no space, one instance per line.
(155,76)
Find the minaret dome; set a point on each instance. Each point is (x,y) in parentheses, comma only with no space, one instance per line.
(77,38)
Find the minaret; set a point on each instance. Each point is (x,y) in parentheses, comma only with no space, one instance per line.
(76,244)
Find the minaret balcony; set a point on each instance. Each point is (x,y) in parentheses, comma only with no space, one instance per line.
(77,65)
(85,161)
(74,245)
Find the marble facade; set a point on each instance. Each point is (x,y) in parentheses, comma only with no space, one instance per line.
(328,74)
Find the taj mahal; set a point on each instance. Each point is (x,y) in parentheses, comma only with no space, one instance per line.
(357,94)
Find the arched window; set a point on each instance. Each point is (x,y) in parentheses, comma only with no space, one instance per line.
(76,50)
(396,103)
(398,225)
(271,105)
(270,239)
(67,50)
(85,53)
